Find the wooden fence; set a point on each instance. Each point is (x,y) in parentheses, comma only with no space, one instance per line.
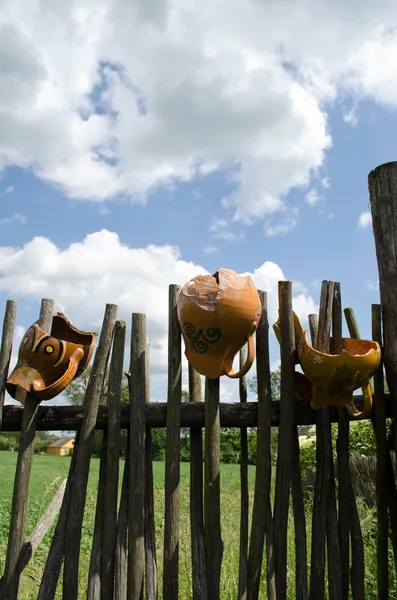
(123,558)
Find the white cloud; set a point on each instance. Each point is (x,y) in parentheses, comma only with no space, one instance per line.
(15,218)
(199,86)
(9,189)
(284,225)
(312,197)
(364,220)
(101,269)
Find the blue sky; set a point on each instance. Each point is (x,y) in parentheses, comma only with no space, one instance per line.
(258,133)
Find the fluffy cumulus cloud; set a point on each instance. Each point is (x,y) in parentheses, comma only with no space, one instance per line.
(100,269)
(111,99)
(364,220)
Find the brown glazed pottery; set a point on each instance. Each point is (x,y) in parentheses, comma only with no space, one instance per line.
(48,363)
(218,314)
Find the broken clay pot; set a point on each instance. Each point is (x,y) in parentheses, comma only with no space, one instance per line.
(48,363)
(218,314)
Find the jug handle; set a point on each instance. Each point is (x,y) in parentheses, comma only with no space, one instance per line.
(228,365)
(367,394)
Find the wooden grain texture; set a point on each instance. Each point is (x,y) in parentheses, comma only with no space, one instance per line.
(120,559)
(56,553)
(112,461)
(313,325)
(95,568)
(172,452)
(381,465)
(244,500)
(136,495)
(232,414)
(285,437)
(151,577)
(199,568)
(7,338)
(322,482)
(382,185)
(42,527)
(212,490)
(83,452)
(10,585)
(262,519)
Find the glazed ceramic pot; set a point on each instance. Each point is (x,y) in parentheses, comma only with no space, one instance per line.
(334,377)
(218,315)
(48,363)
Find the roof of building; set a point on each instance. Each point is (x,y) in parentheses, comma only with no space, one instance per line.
(60,442)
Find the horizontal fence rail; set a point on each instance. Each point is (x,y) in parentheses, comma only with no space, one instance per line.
(69,418)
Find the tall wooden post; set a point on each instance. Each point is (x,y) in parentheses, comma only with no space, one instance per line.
(382,183)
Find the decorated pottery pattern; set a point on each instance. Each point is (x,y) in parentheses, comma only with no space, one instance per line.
(331,379)
(48,363)
(218,314)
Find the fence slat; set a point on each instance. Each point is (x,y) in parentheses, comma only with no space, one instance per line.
(391,485)
(120,560)
(199,569)
(95,570)
(261,511)
(242,576)
(150,525)
(56,553)
(323,453)
(136,511)
(301,586)
(382,537)
(22,475)
(285,436)
(113,460)
(7,338)
(172,453)
(83,452)
(342,448)
(212,489)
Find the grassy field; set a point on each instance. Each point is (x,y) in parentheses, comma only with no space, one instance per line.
(49,471)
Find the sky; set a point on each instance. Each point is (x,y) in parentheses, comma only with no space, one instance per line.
(144,143)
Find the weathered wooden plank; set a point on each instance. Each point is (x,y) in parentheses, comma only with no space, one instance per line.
(172,453)
(22,475)
(150,524)
(113,460)
(42,527)
(313,325)
(212,490)
(136,494)
(382,185)
(83,456)
(232,414)
(120,560)
(95,570)
(285,436)
(243,558)
(262,519)
(55,557)
(382,536)
(199,568)
(7,338)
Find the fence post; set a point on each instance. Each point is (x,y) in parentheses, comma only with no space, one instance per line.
(382,183)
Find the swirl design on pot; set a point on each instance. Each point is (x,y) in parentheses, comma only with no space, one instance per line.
(202,339)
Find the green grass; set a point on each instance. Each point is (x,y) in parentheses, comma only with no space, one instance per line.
(49,471)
